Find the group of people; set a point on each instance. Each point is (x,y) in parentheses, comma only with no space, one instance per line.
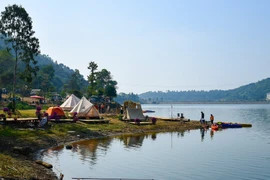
(202,120)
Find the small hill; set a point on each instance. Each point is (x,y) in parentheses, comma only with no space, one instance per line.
(252,92)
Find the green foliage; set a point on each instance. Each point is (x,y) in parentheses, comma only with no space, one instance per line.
(44,79)
(62,74)
(77,93)
(92,90)
(110,91)
(10,106)
(76,83)
(101,82)
(105,83)
(120,116)
(16,29)
(6,62)
(122,97)
(23,106)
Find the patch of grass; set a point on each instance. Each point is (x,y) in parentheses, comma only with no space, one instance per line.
(11,132)
(28,113)
(11,167)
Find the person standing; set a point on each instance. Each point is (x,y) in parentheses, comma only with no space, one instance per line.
(212,118)
(202,118)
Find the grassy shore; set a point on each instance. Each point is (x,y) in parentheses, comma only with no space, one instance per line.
(21,165)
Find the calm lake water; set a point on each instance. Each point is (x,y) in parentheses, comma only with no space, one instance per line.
(242,153)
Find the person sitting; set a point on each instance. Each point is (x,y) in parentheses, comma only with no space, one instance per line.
(44,120)
(182,116)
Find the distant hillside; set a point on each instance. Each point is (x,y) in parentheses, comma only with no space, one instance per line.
(249,93)
(62,73)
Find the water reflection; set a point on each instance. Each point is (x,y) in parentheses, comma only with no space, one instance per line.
(88,149)
(91,156)
(154,136)
(211,133)
(202,130)
(152,156)
(181,134)
(136,141)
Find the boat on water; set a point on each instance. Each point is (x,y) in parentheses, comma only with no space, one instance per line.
(148,111)
(214,126)
(228,125)
(224,125)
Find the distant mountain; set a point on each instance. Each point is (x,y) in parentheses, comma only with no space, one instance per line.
(248,93)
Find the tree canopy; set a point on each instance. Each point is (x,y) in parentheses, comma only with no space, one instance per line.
(101,82)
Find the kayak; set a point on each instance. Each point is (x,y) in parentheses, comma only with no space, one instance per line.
(229,125)
(214,126)
(148,111)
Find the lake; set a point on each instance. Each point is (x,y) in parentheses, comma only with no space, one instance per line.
(241,153)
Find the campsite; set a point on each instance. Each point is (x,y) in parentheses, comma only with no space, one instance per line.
(23,138)
(116,75)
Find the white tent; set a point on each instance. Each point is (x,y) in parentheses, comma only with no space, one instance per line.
(134,113)
(86,109)
(70,103)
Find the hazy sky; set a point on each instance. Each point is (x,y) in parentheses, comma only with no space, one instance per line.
(151,45)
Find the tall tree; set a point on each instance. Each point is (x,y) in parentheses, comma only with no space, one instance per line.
(105,83)
(104,78)
(92,78)
(16,29)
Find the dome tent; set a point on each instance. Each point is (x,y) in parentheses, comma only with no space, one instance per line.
(85,109)
(53,111)
(70,103)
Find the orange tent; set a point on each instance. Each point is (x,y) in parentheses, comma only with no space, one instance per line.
(55,111)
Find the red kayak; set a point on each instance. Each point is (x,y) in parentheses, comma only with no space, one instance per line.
(214,126)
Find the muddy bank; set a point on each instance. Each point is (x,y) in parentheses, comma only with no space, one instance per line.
(18,156)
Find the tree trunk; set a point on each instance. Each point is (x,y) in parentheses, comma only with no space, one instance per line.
(14,82)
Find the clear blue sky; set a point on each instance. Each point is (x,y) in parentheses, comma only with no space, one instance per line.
(151,45)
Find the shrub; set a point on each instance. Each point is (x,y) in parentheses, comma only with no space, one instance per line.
(137,121)
(120,117)
(154,120)
(23,106)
